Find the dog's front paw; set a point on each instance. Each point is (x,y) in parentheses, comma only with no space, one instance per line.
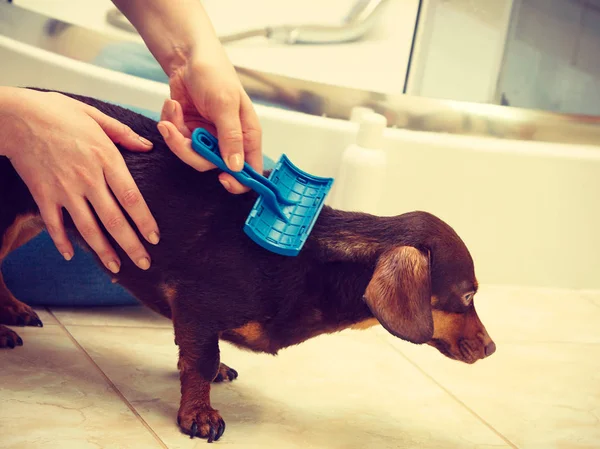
(19,314)
(203,422)
(9,338)
(225,373)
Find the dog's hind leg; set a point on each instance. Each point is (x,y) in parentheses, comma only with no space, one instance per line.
(12,311)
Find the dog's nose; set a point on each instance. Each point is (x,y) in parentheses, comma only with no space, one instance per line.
(490,349)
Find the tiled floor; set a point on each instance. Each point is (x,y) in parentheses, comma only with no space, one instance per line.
(107,378)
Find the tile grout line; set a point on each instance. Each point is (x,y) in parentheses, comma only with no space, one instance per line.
(452,395)
(110,382)
(119,326)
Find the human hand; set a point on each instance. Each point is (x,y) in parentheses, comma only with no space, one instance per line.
(63,150)
(210,95)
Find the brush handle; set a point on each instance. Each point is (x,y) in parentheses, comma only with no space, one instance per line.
(207,146)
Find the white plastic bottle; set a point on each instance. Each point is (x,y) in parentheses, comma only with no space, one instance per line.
(361,179)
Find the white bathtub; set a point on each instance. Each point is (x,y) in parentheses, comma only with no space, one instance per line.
(529,212)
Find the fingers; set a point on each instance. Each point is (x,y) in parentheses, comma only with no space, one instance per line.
(231,184)
(53,218)
(239,133)
(90,231)
(173,113)
(129,196)
(252,135)
(117,225)
(229,132)
(182,147)
(118,132)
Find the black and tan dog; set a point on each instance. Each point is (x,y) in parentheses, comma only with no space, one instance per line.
(410,273)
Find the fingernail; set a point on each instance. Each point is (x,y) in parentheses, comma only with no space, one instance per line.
(170,107)
(113,266)
(144,263)
(154,238)
(145,141)
(67,256)
(225,184)
(236,162)
(162,129)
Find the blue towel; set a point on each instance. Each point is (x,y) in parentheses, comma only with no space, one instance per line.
(38,275)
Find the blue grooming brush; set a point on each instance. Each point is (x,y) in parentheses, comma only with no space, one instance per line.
(289,201)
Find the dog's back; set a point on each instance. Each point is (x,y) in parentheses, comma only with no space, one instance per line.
(201,233)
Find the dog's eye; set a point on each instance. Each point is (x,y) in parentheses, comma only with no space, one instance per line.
(468,298)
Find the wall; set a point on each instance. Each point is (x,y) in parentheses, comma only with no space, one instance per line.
(459,49)
(553,56)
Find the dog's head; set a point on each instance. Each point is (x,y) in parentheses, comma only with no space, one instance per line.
(423,290)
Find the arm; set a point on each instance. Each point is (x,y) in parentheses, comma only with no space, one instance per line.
(9,103)
(204,84)
(176,32)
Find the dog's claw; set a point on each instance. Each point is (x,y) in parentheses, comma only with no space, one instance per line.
(9,338)
(20,315)
(221,430)
(202,423)
(225,373)
(211,435)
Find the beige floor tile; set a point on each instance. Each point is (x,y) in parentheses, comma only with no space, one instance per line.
(46,317)
(519,314)
(52,396)
(591,296)
(124,316)
(346,391)
(539,395)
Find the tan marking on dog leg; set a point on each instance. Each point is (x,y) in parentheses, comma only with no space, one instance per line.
(13,311)
(24,228)
(253,335)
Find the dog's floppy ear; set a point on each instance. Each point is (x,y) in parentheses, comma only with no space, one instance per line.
(399,294)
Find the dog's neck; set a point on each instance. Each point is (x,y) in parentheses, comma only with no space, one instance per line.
(348,245)
(348,236)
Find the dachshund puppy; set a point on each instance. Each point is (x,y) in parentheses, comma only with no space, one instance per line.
(410,273)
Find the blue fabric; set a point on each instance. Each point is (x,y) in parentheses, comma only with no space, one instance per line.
(132,58)
(38,275)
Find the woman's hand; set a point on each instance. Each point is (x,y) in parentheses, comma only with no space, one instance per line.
(210,95)
(203,82)
(63,150)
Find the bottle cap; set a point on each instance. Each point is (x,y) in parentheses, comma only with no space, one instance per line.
(358,112)
(370,131)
